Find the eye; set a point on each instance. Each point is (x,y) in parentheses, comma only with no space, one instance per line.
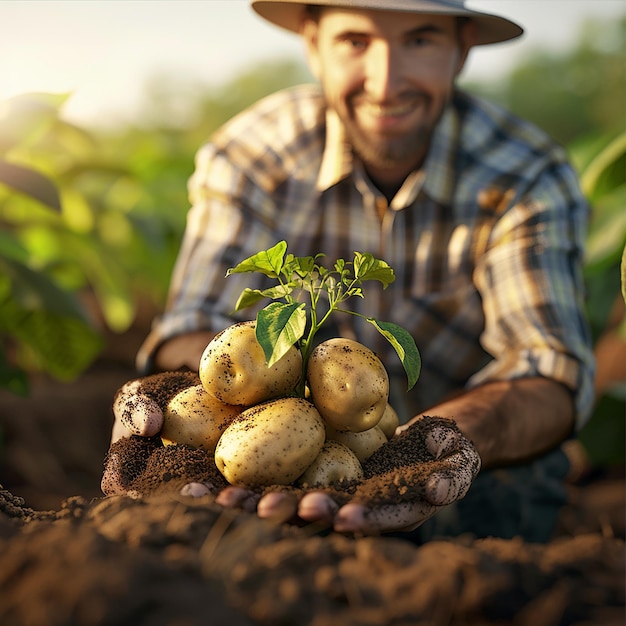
(424,37)
(357,44)
(419,41)
(354,43)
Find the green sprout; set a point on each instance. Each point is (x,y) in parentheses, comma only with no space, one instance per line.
(289,321)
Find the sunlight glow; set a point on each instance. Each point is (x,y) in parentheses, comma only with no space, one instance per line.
(105,52)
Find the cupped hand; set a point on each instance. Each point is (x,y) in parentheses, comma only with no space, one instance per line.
(457,465)
(138,409)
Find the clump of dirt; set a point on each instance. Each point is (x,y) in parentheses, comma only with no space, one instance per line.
(164,386)
(147,466)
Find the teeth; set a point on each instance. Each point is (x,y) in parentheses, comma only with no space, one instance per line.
(387,111)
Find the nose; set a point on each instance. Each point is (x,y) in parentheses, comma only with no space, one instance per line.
(383,72)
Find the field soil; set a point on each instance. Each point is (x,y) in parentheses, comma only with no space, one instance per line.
(71,557)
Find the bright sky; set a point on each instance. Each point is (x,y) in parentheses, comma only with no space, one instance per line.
(104,51)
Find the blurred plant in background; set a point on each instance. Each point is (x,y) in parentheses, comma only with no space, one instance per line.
(574,92)
(601,162)
(42,322)
(91,221)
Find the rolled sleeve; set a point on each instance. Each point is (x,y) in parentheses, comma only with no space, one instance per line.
(530,279)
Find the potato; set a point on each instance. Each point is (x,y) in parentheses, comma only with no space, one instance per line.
(196,418)
(334,464)
(234,370)
(389,422)
(363,444)
(271,443)
(349,384)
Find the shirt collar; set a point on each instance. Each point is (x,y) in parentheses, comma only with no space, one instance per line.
(440,165)
(337,159)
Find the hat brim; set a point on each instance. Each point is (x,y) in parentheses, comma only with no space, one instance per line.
(288,14)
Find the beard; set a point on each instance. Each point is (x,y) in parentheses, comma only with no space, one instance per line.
(384,152)
(388,153)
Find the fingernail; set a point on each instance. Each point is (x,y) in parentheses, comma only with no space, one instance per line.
(317,507)
(195,490)
(349,521)
(276,506)
(232,497)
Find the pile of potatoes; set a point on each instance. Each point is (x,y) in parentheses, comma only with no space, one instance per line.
(261,435)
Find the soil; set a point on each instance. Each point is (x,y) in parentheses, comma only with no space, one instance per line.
(72,557)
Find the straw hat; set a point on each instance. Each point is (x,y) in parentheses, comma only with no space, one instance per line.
(491,28)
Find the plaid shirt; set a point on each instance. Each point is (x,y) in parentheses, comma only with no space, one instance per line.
(486,241)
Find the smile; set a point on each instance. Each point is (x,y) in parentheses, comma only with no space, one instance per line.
(381,110)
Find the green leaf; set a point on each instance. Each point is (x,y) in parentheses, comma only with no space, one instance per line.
(30,182)
(12,248)
(63,345)
(268,262)
(33,291)
(601,163)
(113,290)
(250,297)
(302,265)
(607,229)
(404,345)
(367,267)
(278,327)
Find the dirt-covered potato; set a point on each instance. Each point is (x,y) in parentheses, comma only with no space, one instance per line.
(271,443)
(363,444)
(334,464)
(389,421)
(234,370)
(196,418)
(349,384)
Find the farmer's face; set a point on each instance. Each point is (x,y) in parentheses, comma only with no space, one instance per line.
(388,76)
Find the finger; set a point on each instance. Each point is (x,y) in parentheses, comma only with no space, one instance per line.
(238,498)
(138,413)
(197,490)
(316,506)
(442,440)
(111,483)
(119,431)
(445,487)
(278,507)
(357,518)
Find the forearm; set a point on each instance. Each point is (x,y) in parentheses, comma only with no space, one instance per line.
(183,351)
(510,421)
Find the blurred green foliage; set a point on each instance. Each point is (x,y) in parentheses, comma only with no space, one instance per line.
(602,164)
(96,216)
(570,93)
(101,212)
(41,320)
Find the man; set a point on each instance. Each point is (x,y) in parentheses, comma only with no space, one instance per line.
(478,213)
